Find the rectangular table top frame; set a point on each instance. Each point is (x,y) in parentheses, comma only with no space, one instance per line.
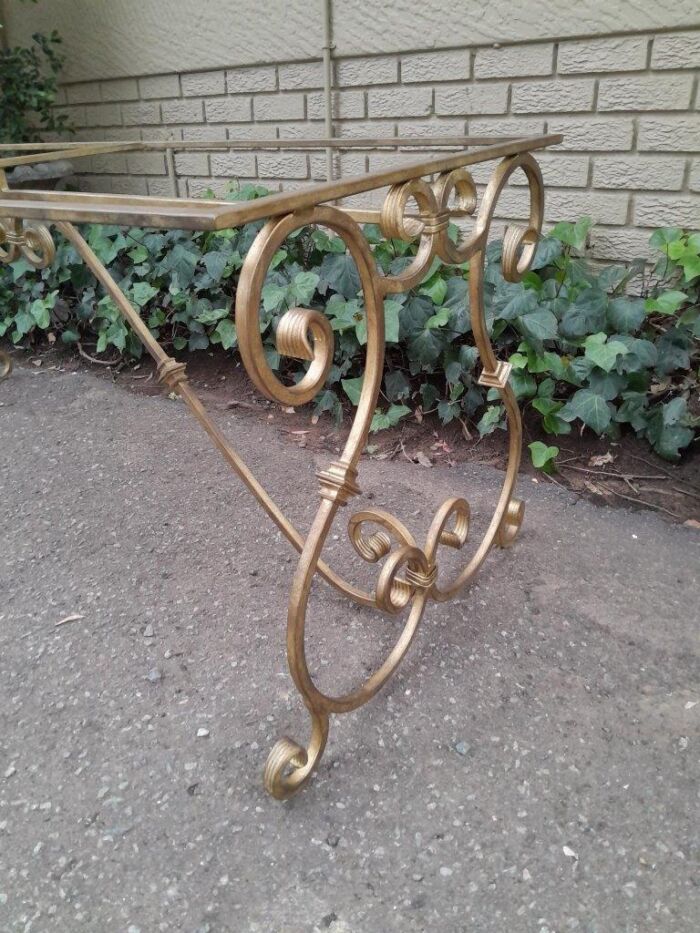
(203,214)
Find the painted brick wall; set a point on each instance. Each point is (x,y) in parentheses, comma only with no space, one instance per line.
(627,105)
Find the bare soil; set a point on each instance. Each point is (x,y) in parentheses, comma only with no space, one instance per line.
(623,473)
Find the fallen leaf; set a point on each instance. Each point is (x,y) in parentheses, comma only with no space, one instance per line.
(691,523)
(74,618)
(596,490)
(423,459)
(601,459)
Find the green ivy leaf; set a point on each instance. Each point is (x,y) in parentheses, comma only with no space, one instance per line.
(490,420)
(590,408)
(388,418)
(665,303)
(543,456)
(226,331)
(142,292)
(353,389)
(540,325)
(604,352)
(339,272)
(626,314)
(392,311)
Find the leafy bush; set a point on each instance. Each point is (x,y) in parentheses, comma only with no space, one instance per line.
(590,347)
(28,82)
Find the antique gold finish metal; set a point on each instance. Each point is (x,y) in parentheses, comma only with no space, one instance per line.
(422,200)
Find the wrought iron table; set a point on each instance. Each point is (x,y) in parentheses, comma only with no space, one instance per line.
(442,188)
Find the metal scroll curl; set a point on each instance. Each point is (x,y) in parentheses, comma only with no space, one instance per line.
(408,577)
(32,241)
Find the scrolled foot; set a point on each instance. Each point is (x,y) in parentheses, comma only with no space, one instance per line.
(510,526)
(289,766)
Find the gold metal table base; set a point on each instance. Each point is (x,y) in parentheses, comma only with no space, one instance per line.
(410,573)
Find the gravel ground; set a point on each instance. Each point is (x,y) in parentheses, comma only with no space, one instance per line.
(532,767)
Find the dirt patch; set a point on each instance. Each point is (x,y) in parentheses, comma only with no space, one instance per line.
(623,473)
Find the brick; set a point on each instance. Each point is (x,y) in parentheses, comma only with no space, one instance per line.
(87,92)
(659,210)
(589,55)
(559,171)
(346,105)
(140,114)
(159,132)
(648,92)
(431,127)
(120,89)
(203,133)
(605,207)
(299,131)
(247,80)
(111,164)
(182,111)
(621,244)
(355,71)
(399,102)
(669,134)
(233,163)
(553,96)
(257,130)
(192,163)
(61,97)
(129,184)
(146,163)
(514,61)
(435,66)
(283,165)
(382,161)
(103,115)
(202,83)
(278,106)
(590,134)
(159,86)
(228,110)
(497,126)
(471,99)
(676,50)
(694,180)
(220,187)
(645,172)
(75,115)
(300,75)
(362,130)
(160,187)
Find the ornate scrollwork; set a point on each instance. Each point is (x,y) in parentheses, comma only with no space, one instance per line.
(34,242)
(408,575)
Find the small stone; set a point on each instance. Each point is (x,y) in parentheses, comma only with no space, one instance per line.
(102,793)
(445,871)
(202,733)
(683,742)
(569,853)
(526,875)
(168,654)
(417,877)
(462,748)
(332,840)
(154,676)
(10,771)
(148,631)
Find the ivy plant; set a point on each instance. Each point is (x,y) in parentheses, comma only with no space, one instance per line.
(591,348)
